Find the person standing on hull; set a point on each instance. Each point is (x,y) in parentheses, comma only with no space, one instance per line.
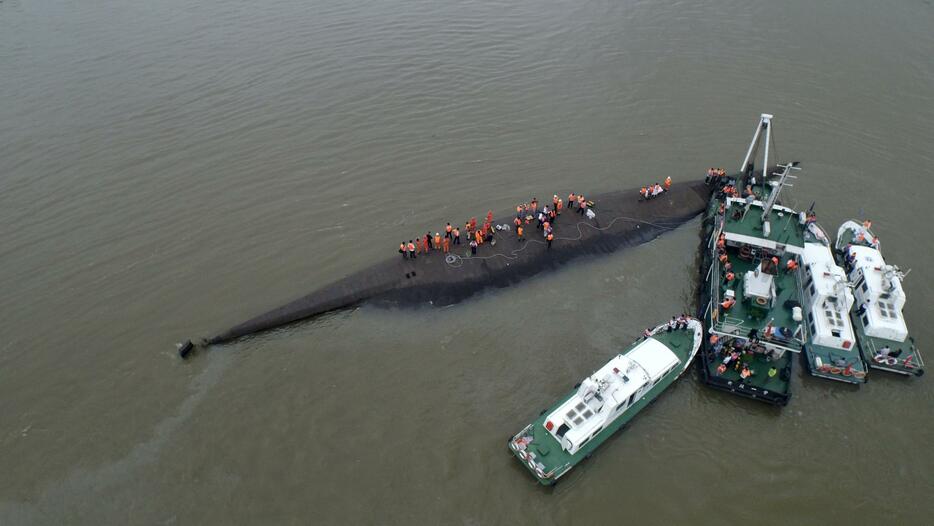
(411,247)
(428,242)
(403,249)
(457,236)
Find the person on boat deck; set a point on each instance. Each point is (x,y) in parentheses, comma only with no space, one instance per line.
(772,372)
(644,192)
(721,369)
(670,326)
(863,308)
(874,243)
(724,259)
(427,242)
(457,236)
(437,240)
(571,198)
(867,224)
(473,247)
(403,250)
(728,303)
(753,335)
(668,183)
(519,232)
(884,351)
(811,218)
(791,266)
(647,333)
(746,372)
(559,206)
(446,245)
(411,247)
(729,277)
(549,238)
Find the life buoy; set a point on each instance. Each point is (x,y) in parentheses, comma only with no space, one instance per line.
(878,358)
(891,360)
(835,370)
(761,301)
(848,372)
(524,455)
(531,462)
(859,374)
(824,368)
(745,252)
(540,473)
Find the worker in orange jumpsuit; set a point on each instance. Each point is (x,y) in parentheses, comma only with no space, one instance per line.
(411,248)
(571,199)
(550,238)
(446,244)
(437,241)
(559,206)
(519,233)
(668,183)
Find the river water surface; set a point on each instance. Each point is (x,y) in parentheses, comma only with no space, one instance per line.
(169,168)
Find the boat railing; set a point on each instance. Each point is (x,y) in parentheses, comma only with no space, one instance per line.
(912,359)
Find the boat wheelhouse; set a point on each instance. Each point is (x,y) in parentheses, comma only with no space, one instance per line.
(602,403)
(750,304)
(881,331)
(831,351)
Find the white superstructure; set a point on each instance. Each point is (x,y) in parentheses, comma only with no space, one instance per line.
(827,298)
(606,394)
(879,293)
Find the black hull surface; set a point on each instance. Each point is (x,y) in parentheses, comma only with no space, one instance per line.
(622,220)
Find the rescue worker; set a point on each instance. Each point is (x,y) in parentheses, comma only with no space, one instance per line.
(534,205)
(473,247)
(867,224)
(457,236)
(727,304)
(411,248)
(418,245)
(517,222)
(448,230)
(775,264)
(581,204)
(559,206)
(427,242)
(437,241)
(519,232)
(473,224)
(668,183)
(729,277)
(554,201)
(549,239)
(571,201)
(644,192)
(519,211)
(552,216)
(478,237)
(791,266)
(446,244)
(489,216)
(467,229)
(723,258)
(403,250)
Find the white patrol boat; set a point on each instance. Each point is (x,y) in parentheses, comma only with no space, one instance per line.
(602,403)
(877,314)
(831,351)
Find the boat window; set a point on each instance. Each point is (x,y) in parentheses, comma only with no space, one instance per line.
(811,317)
(865,287)
(811,289)
(631,398)
(595,432)
(620,406)
(865,320)
(887,310)
(562,430)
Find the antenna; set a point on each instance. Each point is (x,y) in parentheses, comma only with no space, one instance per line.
(785,175)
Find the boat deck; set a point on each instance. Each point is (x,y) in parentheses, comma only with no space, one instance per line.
(546,450)
(784,226)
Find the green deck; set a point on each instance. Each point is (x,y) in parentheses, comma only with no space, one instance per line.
(785,229)
(736,324)
(548,451)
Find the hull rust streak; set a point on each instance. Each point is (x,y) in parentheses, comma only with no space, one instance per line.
(622,220)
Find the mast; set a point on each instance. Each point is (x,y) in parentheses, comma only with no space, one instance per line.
(773,196)
(763,127)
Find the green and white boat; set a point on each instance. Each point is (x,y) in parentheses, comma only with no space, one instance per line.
(880,327)
(570,430)
(831,351)
(749,302)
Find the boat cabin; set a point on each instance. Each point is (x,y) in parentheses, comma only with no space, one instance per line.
(879,287)
(827,298)
(606,394)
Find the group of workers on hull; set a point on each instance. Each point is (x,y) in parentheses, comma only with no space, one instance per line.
(545,217)
(655,190)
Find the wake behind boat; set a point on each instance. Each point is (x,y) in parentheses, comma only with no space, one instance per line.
(605,401)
